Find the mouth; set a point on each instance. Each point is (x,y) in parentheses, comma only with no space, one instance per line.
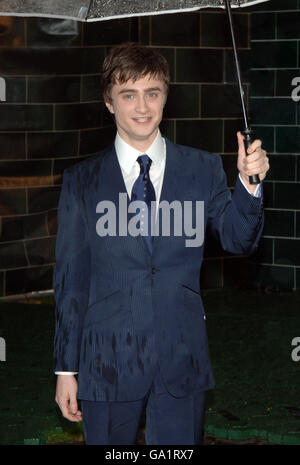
(142,120)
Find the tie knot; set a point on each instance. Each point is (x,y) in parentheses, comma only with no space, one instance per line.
(145,162)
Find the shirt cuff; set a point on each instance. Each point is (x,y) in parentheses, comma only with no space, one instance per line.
(66,372)
(256,193)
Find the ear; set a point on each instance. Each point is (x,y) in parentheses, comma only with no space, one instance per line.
(109,107)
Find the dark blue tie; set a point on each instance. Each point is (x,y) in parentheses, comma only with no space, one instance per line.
(143,190)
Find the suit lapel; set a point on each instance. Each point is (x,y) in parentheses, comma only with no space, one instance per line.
(112,185)
(172,173)
(112,180)
(170,188)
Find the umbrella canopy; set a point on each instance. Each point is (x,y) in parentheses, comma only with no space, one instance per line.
(99,10)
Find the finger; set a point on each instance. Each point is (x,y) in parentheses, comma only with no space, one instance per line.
(258,167)
(71,417)
(63,404)
(73,407)
(73,413)
(64,407)
(241,144)
(256,157)
(79,415)
(75,417)
(255,146)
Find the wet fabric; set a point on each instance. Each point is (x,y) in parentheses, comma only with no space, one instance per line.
(169,420)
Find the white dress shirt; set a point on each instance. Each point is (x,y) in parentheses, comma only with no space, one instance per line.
(130,168)
(127,157)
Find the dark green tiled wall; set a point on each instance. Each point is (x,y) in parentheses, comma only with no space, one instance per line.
(24,227)
(221,101)
(288,25)
(174,30)
(277,5)
(262,83)
(183,101)
(216,33)
(29,279)
(274,111)
(279,223)
(284,86)
(30,117)
(288,137)
(205,134)
(282,167)
(199,65)
(287,252)
(51,144)
(13,202)
(275,64)
(53,89)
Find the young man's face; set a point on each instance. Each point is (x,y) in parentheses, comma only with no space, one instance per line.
(138,109)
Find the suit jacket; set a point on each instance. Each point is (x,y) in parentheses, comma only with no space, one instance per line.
(120,311)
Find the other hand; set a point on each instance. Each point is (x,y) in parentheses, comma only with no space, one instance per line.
(66,391)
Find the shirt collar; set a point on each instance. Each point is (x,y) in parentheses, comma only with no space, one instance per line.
(127,155)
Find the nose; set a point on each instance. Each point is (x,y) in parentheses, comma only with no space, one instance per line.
(141,105)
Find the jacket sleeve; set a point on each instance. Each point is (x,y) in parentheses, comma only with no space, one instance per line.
(71,279)
(237,219)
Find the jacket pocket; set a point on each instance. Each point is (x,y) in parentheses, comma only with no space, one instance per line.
(193,300)
(107,306)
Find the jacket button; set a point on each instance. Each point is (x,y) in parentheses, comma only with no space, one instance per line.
(153,270)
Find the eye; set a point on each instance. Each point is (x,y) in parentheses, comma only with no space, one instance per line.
(152,94)
(128,96)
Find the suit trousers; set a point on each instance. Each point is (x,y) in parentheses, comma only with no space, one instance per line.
(169,420)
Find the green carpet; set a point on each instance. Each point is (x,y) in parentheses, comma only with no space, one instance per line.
(250,335)
(257,382)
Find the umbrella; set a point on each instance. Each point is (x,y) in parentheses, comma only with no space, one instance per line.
(100,10)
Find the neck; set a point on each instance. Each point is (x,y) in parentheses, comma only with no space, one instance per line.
(140,145)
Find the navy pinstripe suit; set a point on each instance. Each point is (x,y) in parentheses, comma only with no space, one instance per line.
(120,311)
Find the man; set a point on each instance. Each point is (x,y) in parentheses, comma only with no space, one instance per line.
(130,320)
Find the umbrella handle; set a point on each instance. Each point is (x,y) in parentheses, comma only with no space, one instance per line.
(248,139)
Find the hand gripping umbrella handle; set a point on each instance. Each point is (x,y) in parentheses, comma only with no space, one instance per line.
(248,139)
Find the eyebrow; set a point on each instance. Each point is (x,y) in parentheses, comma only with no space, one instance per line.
(150,89)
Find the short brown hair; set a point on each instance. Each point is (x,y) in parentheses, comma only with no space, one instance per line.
(132,61)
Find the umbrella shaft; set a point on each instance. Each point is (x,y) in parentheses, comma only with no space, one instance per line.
(237,65)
